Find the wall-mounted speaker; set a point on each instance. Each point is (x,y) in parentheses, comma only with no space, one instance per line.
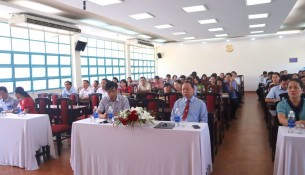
(80,45)
(159,55)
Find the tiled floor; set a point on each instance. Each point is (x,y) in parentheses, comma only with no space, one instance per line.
(244,151)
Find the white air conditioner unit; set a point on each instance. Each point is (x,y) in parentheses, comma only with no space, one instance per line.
(38,23)
(140,42)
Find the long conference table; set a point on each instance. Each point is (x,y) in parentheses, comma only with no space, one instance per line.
(290,151)
(21,137)
(116,150)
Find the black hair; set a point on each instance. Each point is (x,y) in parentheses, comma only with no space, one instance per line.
(129,77)
(190,79)
(168,75)
(123,80)
(197,78)
(110,85)
(194,73)
(115,78)
(229,74)
(265,72)
(297,81)
(270,73)
(87,81)
(157,77)
(277,74)
(174,76)
(167,85)
(219,79)
(105,79)
(143,78)
(178,81)
(214,75)
(188,82)
(95,81)
(183,76)
(69,82)
(3,88)
(203,75)
(20,90)
(285,78)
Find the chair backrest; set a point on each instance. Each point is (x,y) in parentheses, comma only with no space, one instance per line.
(133,87)
(64,109)
(211,123)
(53,97)
(94,101)
(154,105)
(212,101)
(132,102)
(171,98)
(42,105)
(40,95)
(150,95)
(213,88)
(74,97)
(283,96)
(271,86)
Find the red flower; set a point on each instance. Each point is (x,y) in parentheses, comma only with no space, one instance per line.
(133,116)
(124,121)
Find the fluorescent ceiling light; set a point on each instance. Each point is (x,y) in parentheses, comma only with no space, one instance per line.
(94,22)
(228,41)
(204,42)
(256,2)
(159,40)
(121,29)
(141,16)
(213,39)
(280,37)
(257,25)
(130,32)
(207,21)
(37,6)
(105,2)
(259,31)
(253,39)
(179,33)
(189,38)
(198,8)
(215,29)
(164,26)
(144,36)
(258,16)
(221,35)
(288,32)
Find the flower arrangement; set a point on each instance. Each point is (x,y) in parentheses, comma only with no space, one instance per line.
(134,116)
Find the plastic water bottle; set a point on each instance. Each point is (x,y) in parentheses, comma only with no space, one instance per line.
(177,117)
(95,114)
(291,122)
(110,114)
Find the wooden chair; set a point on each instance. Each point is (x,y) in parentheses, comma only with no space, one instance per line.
(64,110)
(211,122)
(132,102)
(40,95)
(74,97)
(171,98)
(157,108)
(42,105)
(94,101)
(54,97)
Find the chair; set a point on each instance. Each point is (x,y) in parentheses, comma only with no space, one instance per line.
(211,123)
(213,88)
(42,105)
(283,96)
(94,101)
(74,97)
(212,101)
(171,98)
(150,95)
(132,102)
(53,97)
(40,95)
(64,110)
(157,108)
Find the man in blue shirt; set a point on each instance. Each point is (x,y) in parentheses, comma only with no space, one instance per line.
(68,90)
(274,93)
(232,86)
(196,110)
(8,102)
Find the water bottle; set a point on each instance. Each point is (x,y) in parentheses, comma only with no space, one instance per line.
(291,122)
(177,117)
(95,114)
(110,114)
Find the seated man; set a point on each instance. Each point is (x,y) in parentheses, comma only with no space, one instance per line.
(9,103)
(115,100)
(158,83)
(167,88)
(274,93)
(144,86)
(169,80)
(194,109)
(95,85)
(85,91)
(68,90)
(101,89)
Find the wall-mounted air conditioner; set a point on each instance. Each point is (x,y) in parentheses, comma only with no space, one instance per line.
(136,41)
(38,23)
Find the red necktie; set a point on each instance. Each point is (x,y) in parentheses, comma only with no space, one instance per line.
(186,110)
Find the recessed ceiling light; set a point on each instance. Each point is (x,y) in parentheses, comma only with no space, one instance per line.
(228,41)
(197,8)
(221,35)
(121,29)
(179,33)
(256,2)
(260,31)
(204,42)
(159,40)
(207,21)
(252,39)
(213,39)
(288,32)
(141,16)
(215,29)
(144,36)
(280,36)
(94,22)
(189,38)
(37,6)
(164,26)
(105,2)
(258,16)
(257,25)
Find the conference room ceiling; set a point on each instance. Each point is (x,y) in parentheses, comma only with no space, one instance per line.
(231,16)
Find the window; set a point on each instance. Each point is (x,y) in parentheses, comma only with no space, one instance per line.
(33,59)
(102,59)
(142,62)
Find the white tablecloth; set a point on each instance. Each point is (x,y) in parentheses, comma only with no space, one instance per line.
(21,137)
(107,149)
(290,153)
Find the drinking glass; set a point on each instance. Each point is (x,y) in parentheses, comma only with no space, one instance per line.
(299,128)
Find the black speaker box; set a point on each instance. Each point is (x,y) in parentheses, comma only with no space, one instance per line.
(80,46)
(159,55)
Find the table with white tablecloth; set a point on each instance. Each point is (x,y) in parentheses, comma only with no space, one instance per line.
(20,138)
(109,149)
(290,153)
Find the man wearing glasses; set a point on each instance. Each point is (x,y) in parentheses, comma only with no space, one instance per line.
(68,90)
(113,99)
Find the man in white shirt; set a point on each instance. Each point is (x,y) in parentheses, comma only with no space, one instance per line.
(101,89)
(144,86)
(85,91)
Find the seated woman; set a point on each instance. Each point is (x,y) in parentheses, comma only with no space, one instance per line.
(178,86)
(200,87)
(124,88)
(212,86)
(222,88)
(294,103)
(129,81)
(275,80)
(25,101)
